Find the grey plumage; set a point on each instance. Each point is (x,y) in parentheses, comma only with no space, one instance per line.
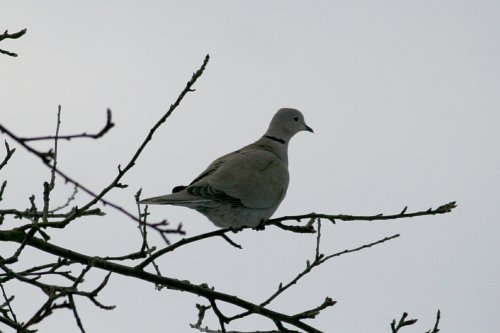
(245,187)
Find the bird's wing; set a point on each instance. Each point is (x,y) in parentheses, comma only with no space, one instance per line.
(252,177)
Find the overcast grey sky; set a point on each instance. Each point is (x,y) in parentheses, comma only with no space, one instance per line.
(404,100)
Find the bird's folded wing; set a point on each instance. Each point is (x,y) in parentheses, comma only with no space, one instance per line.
(256,178)
(209,192)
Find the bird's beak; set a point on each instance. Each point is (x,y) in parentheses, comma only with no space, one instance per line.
(309,129)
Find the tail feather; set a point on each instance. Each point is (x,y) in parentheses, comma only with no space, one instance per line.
(181,198)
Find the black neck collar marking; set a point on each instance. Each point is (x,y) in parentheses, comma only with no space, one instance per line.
(275,139)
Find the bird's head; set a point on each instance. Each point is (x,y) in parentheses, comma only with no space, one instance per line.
(286,123)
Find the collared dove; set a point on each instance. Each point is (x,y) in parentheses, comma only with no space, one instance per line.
(245,187)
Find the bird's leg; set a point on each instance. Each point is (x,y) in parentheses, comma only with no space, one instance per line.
(261,225)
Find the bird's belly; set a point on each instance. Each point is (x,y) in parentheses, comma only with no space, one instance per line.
(226,216)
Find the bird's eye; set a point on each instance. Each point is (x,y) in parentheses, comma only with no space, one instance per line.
(296,118)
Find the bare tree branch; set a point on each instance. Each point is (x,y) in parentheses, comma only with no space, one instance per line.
(72,267)
(395,327)
(2,189)
(10,152)
(443,209)
(99,197)
(49,186)
(19,236)
(318,260)
(107,126)
(312,217)
(15,35)
(311,314)
(436,329)
(9,312)
(70,199)
(404,322)
(75,313)
(180,243)
(35,214)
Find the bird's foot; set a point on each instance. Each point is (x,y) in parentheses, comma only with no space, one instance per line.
(261,226)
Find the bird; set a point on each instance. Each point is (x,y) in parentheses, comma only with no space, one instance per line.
(245,187)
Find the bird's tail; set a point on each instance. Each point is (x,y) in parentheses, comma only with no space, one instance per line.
(181,198)
(160,200)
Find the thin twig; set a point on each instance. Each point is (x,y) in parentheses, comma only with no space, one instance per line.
(144,233)
(220,316)
(10,152)
(7,302)
(32,214)
(395,327)
(15,35)
(443,209)
(436,329)
(208,330)
(75,313)
(311,314)
(230,241)
(180,243)
(2,189)
(107,126)
(49,186)
(70,199)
